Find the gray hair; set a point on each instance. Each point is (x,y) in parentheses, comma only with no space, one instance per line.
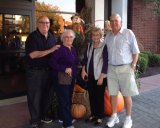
(97,29)
(65,32)
(117,16)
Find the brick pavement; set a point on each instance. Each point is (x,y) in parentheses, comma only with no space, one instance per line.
(146,109)
(146,113)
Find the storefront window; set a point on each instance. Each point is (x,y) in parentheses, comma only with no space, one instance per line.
(14,30)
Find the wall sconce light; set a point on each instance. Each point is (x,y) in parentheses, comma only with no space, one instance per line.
(23,38)
(20,30)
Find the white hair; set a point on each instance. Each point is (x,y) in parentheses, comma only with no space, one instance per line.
(65,32)
(117,17)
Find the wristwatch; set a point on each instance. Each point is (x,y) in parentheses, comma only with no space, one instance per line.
(134,65)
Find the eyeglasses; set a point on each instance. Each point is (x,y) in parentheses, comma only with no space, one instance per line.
(68,37)
(96,35)
(44,23)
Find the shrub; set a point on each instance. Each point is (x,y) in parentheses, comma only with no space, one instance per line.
(149,54)
(155,60)
(142,63)
(146,56)
(142,66)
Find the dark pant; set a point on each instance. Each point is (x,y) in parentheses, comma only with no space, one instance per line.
(96,97)
(64,94)
(38,83)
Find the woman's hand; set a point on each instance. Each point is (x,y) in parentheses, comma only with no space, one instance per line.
(68,71)
(83,73)
(100,80)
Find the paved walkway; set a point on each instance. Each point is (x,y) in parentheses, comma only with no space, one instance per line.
(146,110)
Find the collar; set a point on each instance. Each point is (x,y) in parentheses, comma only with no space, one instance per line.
(40,34)
(120,31)
(101,44)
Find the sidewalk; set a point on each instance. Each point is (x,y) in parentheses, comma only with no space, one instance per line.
(146,110)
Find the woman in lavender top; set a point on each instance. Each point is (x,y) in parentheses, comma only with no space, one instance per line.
(94,68)
(65,60)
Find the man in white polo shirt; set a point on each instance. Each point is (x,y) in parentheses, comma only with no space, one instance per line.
(123,55)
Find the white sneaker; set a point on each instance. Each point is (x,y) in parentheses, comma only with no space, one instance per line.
(69,127)
(61,122)
(46,120)
(73,121)
(112,121)
(127,123)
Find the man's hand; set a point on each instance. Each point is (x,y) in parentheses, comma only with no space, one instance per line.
(39,54)
(133,66)
(54,48)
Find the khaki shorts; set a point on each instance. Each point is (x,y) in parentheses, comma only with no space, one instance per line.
(122,78)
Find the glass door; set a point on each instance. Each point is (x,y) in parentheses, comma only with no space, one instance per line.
(13,33)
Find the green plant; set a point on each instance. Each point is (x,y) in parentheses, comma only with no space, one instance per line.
(137,75)
(149,54)
(142,66)
(142,63)
(155,60)
(146,59)
(87,17)
(79,45)
(144,55)
(156,5)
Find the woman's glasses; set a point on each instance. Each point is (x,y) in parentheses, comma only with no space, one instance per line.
(44,22)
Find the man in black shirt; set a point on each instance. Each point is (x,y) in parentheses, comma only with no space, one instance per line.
(39,45)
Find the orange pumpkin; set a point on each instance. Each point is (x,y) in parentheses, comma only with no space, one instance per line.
(107,103)
(78,89)
(78,111)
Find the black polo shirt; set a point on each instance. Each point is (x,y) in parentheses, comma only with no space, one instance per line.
(37,42)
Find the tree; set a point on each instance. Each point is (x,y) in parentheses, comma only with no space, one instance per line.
(156,5)
(51,12)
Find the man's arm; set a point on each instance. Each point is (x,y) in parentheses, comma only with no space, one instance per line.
(135,59)
(38,54)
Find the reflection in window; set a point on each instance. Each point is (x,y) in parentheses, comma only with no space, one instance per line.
(13,32)
(58,21)
(12,28)
(59,13)
(60,24)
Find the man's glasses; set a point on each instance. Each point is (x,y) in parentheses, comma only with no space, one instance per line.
(44,22)
(68,37)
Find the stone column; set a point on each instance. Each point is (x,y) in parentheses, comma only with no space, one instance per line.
(120,7)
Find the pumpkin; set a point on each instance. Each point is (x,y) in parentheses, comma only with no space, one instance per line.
(78,111)
(107,103)
(78,89)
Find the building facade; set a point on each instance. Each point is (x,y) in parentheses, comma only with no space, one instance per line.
(136,15)
(17,20)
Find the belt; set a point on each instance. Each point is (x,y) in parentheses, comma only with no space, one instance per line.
(119,65)
(39,68)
